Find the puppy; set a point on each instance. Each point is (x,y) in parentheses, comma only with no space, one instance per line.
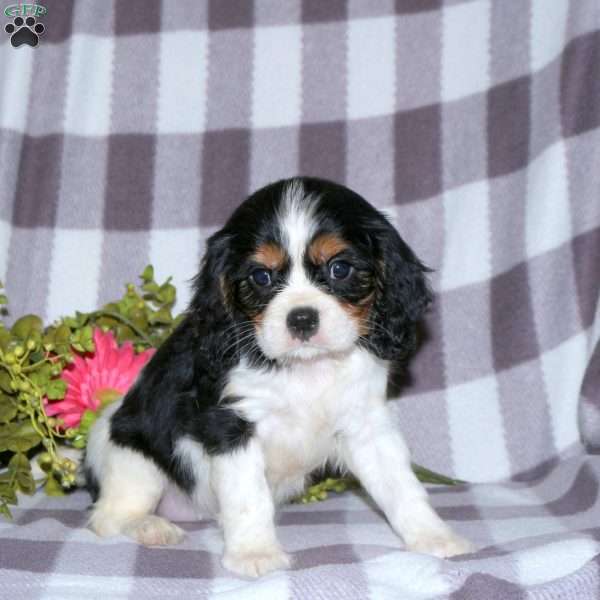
(279,367)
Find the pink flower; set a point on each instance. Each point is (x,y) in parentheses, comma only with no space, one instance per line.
(105,374)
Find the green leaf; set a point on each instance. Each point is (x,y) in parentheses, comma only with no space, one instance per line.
(87,420)
(18,437)
(4,337)
(41,375)
(52,487)
(427,476)
(62,338)
(109,322)
(3,299)
(8,492)
(167,294)
(19,466)
(79,441)
(4,510)
(148,274)
(70,322)
(81,318)
(8,408)
(151,288)
(5,381)
(162,316)
(36,356)
(125,333)
(55,390)
(26,325)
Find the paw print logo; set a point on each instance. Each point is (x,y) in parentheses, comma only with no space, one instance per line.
(24,31)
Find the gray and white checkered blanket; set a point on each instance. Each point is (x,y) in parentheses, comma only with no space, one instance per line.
(134,127)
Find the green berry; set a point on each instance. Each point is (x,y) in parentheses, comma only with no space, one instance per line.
(31,345)
(49,347)
(44,458)
(16,369)
(10,358)
(19,351)
(24,385)
(14,385)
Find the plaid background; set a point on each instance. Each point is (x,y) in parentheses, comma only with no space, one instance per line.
(135,127)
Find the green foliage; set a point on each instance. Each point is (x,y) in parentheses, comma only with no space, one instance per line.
(320,491)
(32,357)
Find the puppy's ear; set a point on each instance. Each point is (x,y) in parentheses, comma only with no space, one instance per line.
(402,297)
(210,308)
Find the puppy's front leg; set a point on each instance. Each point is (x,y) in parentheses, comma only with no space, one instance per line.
(376,453)
(247,512)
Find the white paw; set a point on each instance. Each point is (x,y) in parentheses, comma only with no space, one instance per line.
(153,531)
(254,563)
(442,545)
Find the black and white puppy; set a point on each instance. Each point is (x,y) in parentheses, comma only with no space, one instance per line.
(280,366)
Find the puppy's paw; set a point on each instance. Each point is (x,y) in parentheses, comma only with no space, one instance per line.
(257,562)
(154,531)
(442,545)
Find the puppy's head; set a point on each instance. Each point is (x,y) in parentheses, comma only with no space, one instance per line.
(306,267)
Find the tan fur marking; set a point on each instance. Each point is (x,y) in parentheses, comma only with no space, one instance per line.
(325,247)
(270,255)
(258,319)
(360,312)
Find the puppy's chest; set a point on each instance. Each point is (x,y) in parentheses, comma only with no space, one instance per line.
(297,413)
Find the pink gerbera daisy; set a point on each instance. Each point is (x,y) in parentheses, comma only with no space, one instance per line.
(103,375)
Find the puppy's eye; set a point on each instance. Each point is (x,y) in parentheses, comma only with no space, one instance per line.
(339,269)
(261,277)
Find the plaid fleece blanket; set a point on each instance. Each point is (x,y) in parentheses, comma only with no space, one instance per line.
(133,128)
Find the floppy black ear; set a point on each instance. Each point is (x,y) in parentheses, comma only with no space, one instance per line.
(402,297)
(210,308)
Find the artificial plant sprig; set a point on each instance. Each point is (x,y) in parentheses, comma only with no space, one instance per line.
(32,358)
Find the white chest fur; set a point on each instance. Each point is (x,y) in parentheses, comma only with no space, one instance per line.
(298,410)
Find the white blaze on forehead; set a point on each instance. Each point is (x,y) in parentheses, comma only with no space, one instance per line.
(337,331)
(298,225)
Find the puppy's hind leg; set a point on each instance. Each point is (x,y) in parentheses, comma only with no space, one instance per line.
(130,489)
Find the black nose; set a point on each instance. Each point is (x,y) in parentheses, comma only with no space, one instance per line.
(303,322)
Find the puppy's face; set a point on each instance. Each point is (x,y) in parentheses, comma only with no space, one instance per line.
(306,269)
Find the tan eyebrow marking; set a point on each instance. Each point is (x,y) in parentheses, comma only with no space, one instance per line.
(325,247)
(270,255)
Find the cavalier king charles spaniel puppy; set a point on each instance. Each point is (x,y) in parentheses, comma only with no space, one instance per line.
(279,367)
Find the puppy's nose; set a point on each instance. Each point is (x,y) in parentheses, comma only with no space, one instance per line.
(303,322)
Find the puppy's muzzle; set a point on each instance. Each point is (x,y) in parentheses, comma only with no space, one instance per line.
(303,322)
